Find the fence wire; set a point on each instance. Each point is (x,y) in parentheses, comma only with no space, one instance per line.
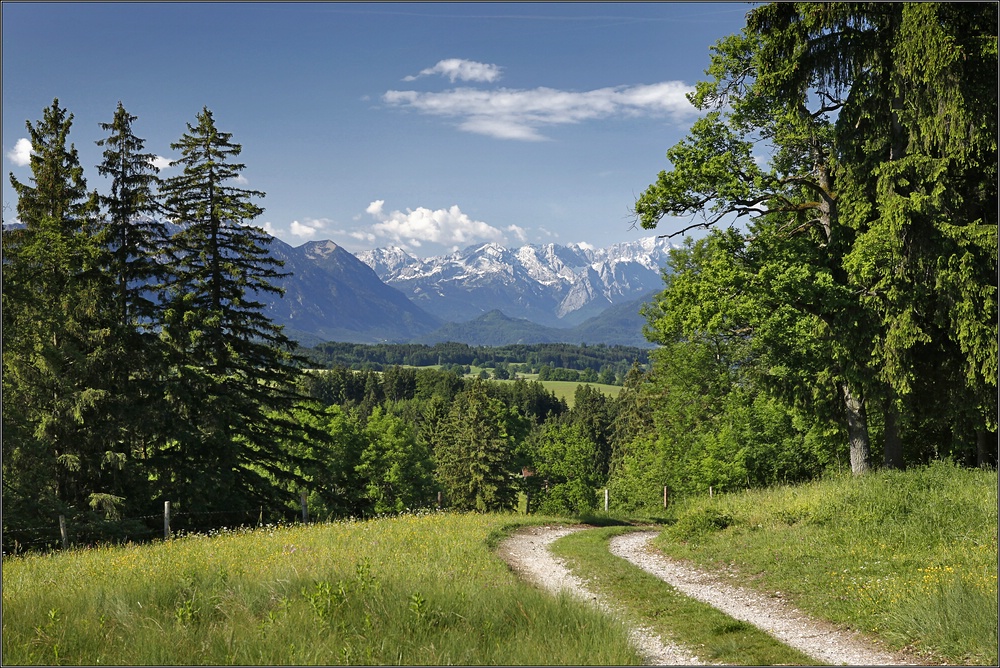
(17,539)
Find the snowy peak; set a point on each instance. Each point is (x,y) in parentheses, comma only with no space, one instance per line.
(386,261)
(548,283)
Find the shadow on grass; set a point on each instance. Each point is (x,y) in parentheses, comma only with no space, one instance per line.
(605,520)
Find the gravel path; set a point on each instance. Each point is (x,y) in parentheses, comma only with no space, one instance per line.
(527,553)
(820,640)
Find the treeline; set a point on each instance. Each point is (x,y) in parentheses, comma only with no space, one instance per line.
(852,324)
(610,362)
(398,437)
(858,306)
(138,366)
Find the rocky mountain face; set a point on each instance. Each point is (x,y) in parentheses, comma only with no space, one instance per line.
(333,296)
(550,284)
(532,294)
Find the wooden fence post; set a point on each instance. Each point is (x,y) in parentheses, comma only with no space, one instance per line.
(305,508)
(664,496)
(62,532)
(439,500)
(605,499)
(710,491)
(166,520)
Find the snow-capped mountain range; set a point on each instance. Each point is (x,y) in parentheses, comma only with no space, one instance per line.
(549,284)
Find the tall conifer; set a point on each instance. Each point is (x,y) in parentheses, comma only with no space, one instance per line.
(136,245)
(233,372)
(56,335)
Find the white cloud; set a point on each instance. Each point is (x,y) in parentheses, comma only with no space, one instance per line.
(519,114)
(160,162)
(441,226)
(20,155)
(240,179)
(519,232)
(308,229)
(458,69)
(269,228)
(367,237)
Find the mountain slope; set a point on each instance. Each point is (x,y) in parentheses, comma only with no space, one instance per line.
(550,284)
(618,325)
(331,295)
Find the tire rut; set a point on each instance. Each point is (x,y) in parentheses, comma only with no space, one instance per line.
(527,553)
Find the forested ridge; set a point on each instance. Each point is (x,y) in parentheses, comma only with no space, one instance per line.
(614,360)
(839,313)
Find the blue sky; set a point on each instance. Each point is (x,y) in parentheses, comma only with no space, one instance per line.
(427,126)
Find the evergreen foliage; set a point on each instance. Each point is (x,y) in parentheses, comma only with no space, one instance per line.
(475,459)
(232,370)
(57,343)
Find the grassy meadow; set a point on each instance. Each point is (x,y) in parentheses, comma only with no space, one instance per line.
(910,556)
(425,589)
(566,389)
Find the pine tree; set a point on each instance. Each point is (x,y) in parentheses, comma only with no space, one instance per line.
(475,456)
(135,237)
(56,335)
(233,375)
(135,242)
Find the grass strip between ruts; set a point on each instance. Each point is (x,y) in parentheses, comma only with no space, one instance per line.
(646,600)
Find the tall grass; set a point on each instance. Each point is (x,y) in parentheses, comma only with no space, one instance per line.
(408,590)
(910,557)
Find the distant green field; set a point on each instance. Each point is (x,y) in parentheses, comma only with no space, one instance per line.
(566,389)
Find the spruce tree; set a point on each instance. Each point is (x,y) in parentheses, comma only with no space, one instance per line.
(56,336)
(135,237)
(475,456)
(136,244)
(233,375)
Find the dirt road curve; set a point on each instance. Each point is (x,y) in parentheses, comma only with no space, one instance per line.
(527,553)
(820,640)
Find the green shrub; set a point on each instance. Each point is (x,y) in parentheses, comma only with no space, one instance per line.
(698,522)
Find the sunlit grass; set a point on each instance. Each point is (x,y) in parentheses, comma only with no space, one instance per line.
(910,556)
(408,590)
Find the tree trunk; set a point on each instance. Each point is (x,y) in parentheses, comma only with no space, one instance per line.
(893,444)
(986,448)
(857,430)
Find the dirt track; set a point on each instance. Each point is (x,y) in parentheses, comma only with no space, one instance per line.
(527,553)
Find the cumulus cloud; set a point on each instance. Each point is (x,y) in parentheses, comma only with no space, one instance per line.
(458,69)
(308,229)
(519,232)
(20,155)
(441,226)
(160,162)
(520,114)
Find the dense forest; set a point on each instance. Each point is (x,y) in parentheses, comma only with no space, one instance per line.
(840,312)
(609,363)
